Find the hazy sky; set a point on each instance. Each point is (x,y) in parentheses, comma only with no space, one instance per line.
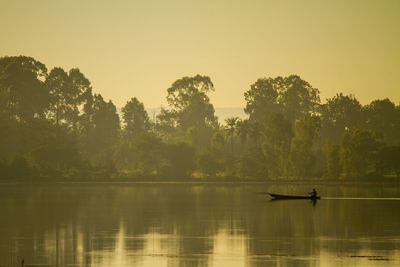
(138,48)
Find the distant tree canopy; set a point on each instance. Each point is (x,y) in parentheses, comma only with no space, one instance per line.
(23,95)
(290,96)
(191,114)
(52,126)
(135,118)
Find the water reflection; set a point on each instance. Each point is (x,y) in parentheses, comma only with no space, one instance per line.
(202,225)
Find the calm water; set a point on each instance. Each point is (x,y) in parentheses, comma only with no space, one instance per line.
(197,225)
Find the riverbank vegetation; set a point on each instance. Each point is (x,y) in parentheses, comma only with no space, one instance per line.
(54,125)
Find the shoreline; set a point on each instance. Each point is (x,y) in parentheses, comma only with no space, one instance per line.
(195,182)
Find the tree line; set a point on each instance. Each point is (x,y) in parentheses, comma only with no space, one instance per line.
(52,125)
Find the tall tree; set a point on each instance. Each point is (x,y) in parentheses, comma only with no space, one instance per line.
(100,138)
(135,118)
(291,96)
(191,110)
(298,98)
(80,89)
(23,95)
(277,134)
(339,114)
(68,92)
(302,156)
(382,116)
(231,127)
(58,85)
(262,98)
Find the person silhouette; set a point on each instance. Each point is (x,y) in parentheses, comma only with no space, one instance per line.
(313,194)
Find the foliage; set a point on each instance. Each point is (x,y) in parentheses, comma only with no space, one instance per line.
(291,96)
(302,154)
(340,114)
(23,95)
(180,160)
(135,118)
(359,153)
(191,113)
(53,126)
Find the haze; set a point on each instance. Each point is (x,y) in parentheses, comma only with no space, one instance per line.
(139,48)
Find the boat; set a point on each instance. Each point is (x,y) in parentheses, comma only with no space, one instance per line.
(277,196)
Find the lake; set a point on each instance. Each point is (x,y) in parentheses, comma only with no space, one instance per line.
(198,225)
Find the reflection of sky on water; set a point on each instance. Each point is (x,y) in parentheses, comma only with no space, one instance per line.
(197,226)
(229,248)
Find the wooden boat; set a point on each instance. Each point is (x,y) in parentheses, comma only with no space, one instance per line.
(276,196)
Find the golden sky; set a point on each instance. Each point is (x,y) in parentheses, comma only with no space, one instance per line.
(138,48)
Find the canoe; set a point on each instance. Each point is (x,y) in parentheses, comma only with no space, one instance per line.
(276,196)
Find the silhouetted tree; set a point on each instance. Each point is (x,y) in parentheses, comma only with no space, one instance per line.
(298,98)
(277,134)
(382,116)
(191,111)
(290,96)
(302,153)
(231,127)
(358,153)
(339,114)
(100,139)
(59,86)
(23,95)
(135,118)
(262,98)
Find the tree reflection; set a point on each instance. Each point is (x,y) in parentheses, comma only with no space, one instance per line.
(199,225)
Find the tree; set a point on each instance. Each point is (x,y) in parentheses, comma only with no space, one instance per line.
(231,127)
(339,114)
(67,93)
(302,155)
(332,161)
(57,82)
(252,164)
(22,92)
(382,116)
(80,89)
(298,98)
(135,118)
(209,163)
(143,154)
(100,138)
(180,160)
(277,134)
(243,128)
(389,160)
(262,98)
(290,96)
(191,111)
(358,153)
(56,152)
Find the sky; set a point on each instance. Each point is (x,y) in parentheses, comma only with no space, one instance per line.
(135,48)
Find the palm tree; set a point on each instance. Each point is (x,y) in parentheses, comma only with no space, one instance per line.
(243,128)
(231,127)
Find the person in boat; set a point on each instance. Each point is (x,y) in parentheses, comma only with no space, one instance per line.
(313,194)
